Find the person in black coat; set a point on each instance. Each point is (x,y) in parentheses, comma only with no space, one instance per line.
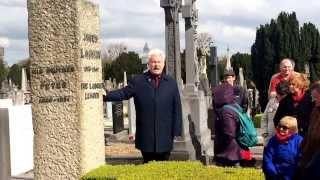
(310,160)
(297,104)
(158,108)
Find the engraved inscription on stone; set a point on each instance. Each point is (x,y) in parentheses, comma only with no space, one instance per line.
(57,71)
(91,85)
(93,95)
(90,89)
(54,99)
(92,38)
(90,54)
(90,69)
(53,69)
(53,85)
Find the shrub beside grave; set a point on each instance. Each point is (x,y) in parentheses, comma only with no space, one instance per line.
(173,170)
(257,120)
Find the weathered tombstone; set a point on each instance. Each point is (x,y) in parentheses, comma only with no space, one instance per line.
(117,116)
(5,170)
(66,83)
(17,126)
(173,64)
(214,66)
(131,108)
(132,117)
(183,148)
(190,14)
(241,77)
(195,99)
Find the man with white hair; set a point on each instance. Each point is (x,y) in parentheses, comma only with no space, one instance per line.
(158,108)
(286,71)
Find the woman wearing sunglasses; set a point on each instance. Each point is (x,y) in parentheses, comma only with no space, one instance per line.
(281,155)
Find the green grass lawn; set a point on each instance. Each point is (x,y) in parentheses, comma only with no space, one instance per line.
(173,170)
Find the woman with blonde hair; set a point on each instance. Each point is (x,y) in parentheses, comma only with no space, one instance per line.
(281,155)
(298,103)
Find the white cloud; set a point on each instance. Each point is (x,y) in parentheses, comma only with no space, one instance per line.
(4,42)
(230,22)
(13,3)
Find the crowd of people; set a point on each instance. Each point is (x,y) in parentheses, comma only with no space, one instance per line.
(291,119)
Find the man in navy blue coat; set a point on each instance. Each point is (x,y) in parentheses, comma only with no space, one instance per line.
(158,108)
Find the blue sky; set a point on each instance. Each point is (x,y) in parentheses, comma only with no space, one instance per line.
(231,23)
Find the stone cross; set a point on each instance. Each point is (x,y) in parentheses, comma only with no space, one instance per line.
(66,85)
(190,14)
(214,66)
(173,64)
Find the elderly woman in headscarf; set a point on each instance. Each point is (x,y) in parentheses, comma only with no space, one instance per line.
(226,147)
(298,103)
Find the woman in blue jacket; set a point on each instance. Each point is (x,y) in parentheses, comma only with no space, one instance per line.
(281,155)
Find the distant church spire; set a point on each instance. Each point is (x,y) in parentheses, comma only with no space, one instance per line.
(146,48)
(228,64)
(144,57)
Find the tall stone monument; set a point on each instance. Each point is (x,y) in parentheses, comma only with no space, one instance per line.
(66,84)
(213,63)
(173,63)
(183,148)
(190,14)
(195,98)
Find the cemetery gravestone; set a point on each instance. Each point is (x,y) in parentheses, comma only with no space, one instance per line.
(66,84)
(5,170)
(117,116)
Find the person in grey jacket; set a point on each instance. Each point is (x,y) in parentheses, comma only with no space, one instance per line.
(158,108)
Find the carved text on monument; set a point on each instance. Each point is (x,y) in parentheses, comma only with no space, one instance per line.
(90,54)
(92,85)
(90,69)
(54,99)
(53,69)
(92,38)
(93,95)
(53,85)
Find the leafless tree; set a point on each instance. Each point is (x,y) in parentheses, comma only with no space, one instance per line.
(203,43)
(113,50)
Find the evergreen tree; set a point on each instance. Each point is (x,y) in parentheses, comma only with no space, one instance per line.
(15,74)
(3,71)
(310,50)
(275,41)
(126,62)
(244,61)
